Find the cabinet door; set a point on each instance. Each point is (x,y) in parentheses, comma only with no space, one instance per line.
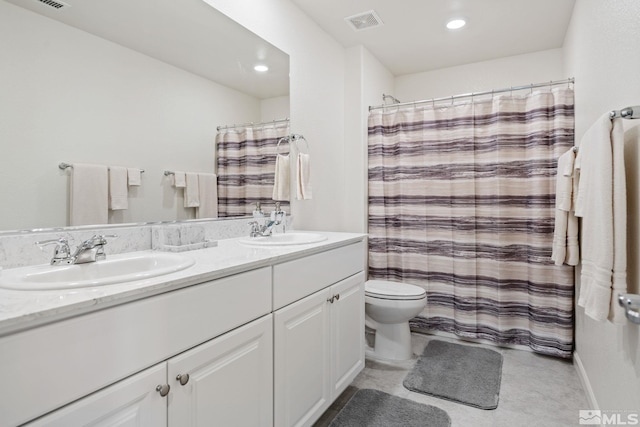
(302,367)
(133,402)
(347,332)
(230,380)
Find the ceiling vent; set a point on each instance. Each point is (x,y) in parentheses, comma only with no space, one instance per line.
(364,20)
(54,4)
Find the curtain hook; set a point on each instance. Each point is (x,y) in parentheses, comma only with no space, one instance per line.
(531,89)
(550,85)
(451,99)
(433,103)
(511,91)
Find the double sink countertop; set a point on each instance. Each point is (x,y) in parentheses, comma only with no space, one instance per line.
(25,309)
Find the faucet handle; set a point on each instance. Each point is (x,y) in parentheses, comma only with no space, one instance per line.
(62,251)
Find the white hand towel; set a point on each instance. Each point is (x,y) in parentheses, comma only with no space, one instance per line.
(282,179)
(134,177)
(179,179)
(89,195)
(118,191)
(191,191)
(303,186)
(208,192)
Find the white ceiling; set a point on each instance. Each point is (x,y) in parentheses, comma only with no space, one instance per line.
(188,34)
(414,37)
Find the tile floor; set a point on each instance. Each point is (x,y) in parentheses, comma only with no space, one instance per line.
(535,390)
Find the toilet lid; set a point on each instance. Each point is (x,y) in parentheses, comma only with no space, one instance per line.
(392,290)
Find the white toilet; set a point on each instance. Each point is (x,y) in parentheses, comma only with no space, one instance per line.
(388,308)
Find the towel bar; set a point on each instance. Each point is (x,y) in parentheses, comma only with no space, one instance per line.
(631,305)
(626,113)
(64,166)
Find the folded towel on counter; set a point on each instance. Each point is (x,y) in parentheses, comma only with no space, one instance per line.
(303,186)
(89,198)
(282,178)
(118,190)
(208,194)
(134,177)
(191,191)
(179,179)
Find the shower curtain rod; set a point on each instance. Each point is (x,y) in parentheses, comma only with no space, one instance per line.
(252,124)
(472,94)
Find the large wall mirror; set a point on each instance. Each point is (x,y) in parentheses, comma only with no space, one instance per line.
(141,84)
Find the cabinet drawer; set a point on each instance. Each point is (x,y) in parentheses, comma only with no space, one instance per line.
(296,279)
(47,367)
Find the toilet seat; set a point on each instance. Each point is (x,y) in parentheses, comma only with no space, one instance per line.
(383,289)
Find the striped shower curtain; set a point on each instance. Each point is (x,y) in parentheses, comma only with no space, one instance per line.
(461,202)
(246,159)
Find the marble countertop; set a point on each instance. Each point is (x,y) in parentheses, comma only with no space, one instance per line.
(20,310)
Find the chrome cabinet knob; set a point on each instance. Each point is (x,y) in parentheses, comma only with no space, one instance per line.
(163,389)
(184,379)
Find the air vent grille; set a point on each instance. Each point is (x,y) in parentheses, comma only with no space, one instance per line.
(54,4)
(364,20)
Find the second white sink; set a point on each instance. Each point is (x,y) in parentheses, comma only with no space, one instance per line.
(116,269)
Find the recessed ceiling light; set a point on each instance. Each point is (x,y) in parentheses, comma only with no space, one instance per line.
(261,68)
(454,24)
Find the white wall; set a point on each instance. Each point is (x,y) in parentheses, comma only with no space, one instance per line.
(500,73)
(274,108)
(366,80)
(317,73)
(601,51)
(69,96)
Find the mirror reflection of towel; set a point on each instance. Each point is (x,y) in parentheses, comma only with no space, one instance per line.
(303,187)
(282,179)
(208,194)
(89,195)
(118,190)
(191,191)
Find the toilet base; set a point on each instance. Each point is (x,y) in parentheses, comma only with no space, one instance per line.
(393,341)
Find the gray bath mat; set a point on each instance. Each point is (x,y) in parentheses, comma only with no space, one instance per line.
(373,408)
(460,373)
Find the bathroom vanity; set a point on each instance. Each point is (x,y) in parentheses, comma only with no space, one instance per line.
(247,336)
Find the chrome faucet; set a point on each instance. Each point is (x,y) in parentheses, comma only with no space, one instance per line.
(91,250)
(265,230)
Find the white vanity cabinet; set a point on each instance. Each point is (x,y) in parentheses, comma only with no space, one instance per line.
(53,365)
(269,346)
(224,382)
(319,339)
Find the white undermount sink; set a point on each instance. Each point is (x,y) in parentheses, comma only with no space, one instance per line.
(115,269)
(293,238)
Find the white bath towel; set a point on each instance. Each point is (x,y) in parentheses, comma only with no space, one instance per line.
(601,202)
(303,186)
(282,178)
(179,179)
(565,235)
(208,194)
(118,190)
(89,195)
(134,177)
(191,191)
